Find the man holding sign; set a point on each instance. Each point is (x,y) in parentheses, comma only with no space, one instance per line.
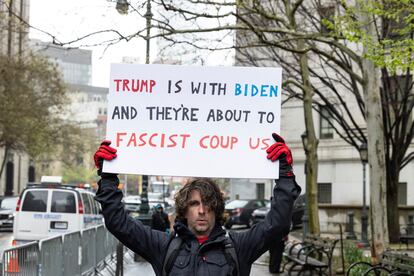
(200,245)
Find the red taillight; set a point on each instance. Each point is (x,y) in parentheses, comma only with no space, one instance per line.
(80,206)
(18,205)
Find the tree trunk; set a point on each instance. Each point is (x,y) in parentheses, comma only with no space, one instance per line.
(376,157)
(311,147)
(392,201)
(6,152)
(376,145)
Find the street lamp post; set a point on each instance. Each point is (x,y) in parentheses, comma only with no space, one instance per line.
(148,15)
(363,151)
(122,7)
(144,208)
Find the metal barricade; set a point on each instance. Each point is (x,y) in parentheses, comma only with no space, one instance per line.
(72,254)
(51,257)
(21,260)
(101,243)
(114,242)
(88,244)
(110,247)
(76,253)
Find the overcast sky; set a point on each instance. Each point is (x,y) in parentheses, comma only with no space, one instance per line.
(69,20)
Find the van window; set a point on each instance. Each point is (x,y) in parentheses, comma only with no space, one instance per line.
(86,204)
(98,207)
(35,201)
(63,202)
(93,203)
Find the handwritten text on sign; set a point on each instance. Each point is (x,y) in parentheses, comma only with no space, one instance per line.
(193,121)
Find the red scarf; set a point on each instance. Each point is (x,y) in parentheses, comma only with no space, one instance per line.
(202,239)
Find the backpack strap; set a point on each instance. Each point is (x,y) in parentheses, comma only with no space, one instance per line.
(231,256)
(174,246)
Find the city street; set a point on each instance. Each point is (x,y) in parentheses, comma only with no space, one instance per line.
(143,268)
(223,116)
(6,239)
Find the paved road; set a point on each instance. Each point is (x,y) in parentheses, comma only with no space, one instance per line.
(6,239)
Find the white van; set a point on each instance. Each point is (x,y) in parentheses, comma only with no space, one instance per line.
(46,210)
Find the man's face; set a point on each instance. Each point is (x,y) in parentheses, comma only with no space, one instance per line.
(200,219)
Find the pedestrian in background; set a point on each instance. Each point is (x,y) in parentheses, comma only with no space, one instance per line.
(199,245)
(160,219)
(276,255)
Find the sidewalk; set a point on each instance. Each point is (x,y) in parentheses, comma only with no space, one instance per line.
(259,268)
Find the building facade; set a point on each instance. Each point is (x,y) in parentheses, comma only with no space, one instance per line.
(87,104)
(340,170)
(75,64)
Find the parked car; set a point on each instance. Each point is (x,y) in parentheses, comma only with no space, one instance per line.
(239,211)
(298,212)
(259,215)
(132,203)
(51,209)
(155,196)
(7,209)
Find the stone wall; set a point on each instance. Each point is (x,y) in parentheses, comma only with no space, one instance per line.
(331,216)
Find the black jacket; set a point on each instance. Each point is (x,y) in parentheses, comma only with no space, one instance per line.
(160,221)
(193,259)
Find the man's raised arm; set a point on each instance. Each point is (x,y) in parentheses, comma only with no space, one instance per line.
(149,244)
(251,244)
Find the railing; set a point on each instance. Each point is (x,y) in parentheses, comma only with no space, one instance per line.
(78,253)
(28,252)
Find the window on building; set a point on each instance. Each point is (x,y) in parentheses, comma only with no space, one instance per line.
(324,192)
(402,193)
(326,131)
(260,190)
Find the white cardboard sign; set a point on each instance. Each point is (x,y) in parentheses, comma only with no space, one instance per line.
(193,121)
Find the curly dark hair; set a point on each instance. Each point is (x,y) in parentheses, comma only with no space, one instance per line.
(210,194)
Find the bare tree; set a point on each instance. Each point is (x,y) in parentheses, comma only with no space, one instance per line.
(270,29)
(346,52)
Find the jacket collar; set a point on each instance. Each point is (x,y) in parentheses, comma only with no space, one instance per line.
(182,230)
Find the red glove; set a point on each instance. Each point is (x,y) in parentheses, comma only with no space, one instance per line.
(105,152)
(280,151)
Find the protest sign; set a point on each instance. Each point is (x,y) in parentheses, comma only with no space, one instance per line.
(193,121)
